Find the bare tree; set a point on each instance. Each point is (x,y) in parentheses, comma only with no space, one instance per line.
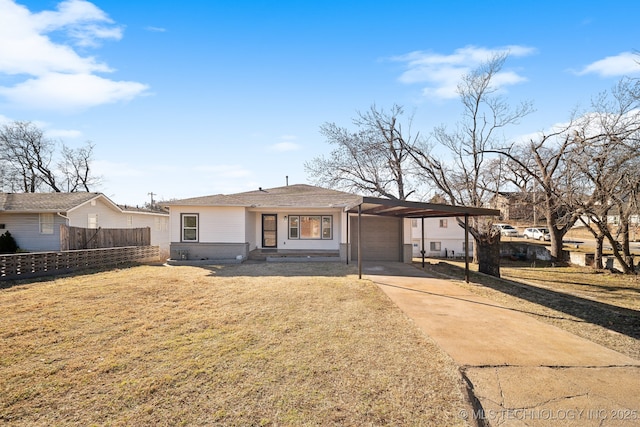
(27,161)
(455,161)
(26,152)
(75,167)
(580,167)
(372,159)
(543,158)
(607,153)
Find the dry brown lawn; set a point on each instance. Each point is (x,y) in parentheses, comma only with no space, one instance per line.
(241,345)
(598,305)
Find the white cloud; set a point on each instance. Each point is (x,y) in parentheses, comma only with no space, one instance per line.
(49,68)
(70,91)
(64,133)
(442,73)
(286,144)
(156,29)
(622,64)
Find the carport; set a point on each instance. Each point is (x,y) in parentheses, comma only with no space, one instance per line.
(404,209)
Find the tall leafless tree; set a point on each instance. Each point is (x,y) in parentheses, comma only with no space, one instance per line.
(455,161)
(75,167)
(27,161)
(607,153)
(373,159)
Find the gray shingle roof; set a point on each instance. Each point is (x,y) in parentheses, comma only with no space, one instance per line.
(43,202)
(300,195)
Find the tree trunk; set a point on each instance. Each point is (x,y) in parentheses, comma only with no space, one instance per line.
(556,242)
(488,255)
(597,262)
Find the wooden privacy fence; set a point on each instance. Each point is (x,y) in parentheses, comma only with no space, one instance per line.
(72,238)
(22,266)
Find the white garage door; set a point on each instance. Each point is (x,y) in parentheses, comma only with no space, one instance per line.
(381,238)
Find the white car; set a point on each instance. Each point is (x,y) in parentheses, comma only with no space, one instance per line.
(537,233)
(506,230)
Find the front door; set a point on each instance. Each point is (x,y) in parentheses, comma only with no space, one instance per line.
(269,231)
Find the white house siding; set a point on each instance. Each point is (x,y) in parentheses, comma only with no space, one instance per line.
(250,230)
(221,233)
(108,216)
(451,238)
(222,225)
(215,224)
(25,229)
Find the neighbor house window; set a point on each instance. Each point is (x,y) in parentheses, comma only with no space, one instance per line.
(434,246)
(189,227)
(443,223)
(92,221)
(470,247)
(414,223)
(46,223)
(310,227)
(129,220)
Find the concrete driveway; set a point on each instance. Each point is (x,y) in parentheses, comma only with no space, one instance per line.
(522,372)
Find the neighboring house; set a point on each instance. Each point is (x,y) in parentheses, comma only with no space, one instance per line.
(299,219)
(519,206)
(34,219)
(443,237)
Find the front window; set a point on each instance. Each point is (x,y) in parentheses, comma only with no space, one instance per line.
(443,223)
(189,227)
(310,227)
(435,246)
(46,223)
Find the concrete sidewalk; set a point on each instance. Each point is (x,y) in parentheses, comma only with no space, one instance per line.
(522,372)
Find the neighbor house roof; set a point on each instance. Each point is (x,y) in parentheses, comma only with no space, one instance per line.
(44,202)
(61,202)
(301,195)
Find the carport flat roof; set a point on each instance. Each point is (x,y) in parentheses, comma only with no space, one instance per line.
(406,209)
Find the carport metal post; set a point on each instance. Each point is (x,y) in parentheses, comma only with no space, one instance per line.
(466,248)
(348,239)
(422,251)
(359,245)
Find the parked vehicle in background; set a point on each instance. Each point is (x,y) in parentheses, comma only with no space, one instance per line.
(537,233)
(506,230)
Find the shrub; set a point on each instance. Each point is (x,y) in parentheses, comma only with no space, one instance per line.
(8,244)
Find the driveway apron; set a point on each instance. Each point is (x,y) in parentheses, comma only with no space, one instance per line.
(521,371)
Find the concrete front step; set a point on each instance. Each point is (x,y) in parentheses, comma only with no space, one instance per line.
(293,255)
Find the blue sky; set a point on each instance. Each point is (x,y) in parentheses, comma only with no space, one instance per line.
(186,99)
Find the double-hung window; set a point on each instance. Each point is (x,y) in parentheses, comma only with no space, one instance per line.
(189,227)
(46,223)
(311,227)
